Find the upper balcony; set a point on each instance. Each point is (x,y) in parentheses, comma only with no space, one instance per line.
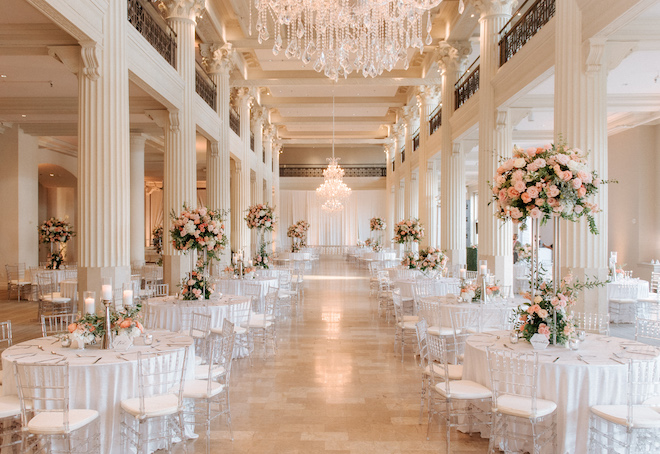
(523,25)
(146,20)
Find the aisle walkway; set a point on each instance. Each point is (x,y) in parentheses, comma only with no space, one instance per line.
(334,385)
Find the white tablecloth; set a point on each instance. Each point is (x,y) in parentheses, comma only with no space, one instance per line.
(237,286)
(572,384)
(441,286)
(99,386)
(165,311)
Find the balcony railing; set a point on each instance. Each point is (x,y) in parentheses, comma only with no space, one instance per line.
(435,121)
(415,141)
(524,24)
(263,154)
(252,141)
(205,87)
(393,165)
(403,155)
(468,84)
(153,27)
(317,172)
(235,121)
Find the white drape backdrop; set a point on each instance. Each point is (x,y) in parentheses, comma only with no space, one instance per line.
(342,228)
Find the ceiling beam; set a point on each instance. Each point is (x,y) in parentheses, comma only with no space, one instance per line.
(326,102)
(358,142)
(321,80)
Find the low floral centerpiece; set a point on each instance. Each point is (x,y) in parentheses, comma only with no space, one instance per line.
(535,315)
(56,232)
(431,259)
(91,327)
(196,285)
(409,260)
(86,329)
(468,291)
(127,322)
(260,216)
(544,182)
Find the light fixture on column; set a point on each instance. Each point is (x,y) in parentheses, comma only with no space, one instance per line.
(342,36)
(333,188)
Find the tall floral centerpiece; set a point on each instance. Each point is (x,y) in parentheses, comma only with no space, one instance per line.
(297,232)
(431,260)
(56,232)
(551,182)
(262,218)
(407,232)
(201,230)
(157,242)
(378,226)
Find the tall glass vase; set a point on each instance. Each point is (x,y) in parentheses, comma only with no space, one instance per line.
(556,269)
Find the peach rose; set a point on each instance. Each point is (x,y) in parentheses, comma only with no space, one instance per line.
(525,197)
(543,329)
(72,327)
(126,323)
(513,193)
(533,192)
(577,183)
(535,213)
(582,191)
(542,313)
(567,175)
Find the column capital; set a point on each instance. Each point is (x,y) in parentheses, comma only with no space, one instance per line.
(138,139)
(488,8)
(244,97)
(259,115)
(502,119)
(270,132)
(182,9)
(457,148)
(428,94)
(214,148)
(218,58)
(453,55)
(399,131)
(595,54)
(90,59)
(410,113)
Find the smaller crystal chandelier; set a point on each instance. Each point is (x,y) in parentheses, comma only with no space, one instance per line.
(333,188)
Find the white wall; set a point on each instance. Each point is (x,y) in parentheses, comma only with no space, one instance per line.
(634,202)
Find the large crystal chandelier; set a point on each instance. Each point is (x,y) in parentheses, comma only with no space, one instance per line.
(333,189)
(342,36)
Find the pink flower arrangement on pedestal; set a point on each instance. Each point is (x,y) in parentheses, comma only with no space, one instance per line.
(199,229)
(545,182)
(376,224)
(408,230)
(260,216)
(431,259)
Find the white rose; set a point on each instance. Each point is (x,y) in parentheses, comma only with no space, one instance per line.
(575,166)
(262,213)
(267,224)
(519,163)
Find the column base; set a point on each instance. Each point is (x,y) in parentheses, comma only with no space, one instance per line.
(174,268)
(91,278)
(501,266)
(590,300)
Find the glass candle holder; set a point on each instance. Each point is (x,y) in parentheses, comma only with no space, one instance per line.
(513,337)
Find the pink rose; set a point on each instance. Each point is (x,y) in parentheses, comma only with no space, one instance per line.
(533,192)
(576,183)
(531,151)
(539,202)
(552,201)
(582,191)
(533,308)
(584,176)
(520,186)
(562,159)
(553,191)
(542,313)
(525,197)
(513,193)
(516,213)
(535,213)
(543,329)
(578,209)
(567,175)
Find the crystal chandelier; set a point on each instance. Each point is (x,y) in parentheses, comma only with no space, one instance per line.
(333,188)
(342,36)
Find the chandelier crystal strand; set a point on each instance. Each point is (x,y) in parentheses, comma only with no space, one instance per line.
(333,188)
(339,37)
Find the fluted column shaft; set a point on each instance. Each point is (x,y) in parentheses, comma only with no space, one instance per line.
(103,156)
(581,122)
(431,203)
(426,193)
(239,227)
(495,240)
(137,198)
(180,163)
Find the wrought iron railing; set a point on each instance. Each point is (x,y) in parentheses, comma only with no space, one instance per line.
(468,84)
(415,141)
(317,172)
(235,121)
(146,20)
(205,87)
(252,141)
(263,154)
(524,24)
(393,165)
(435,121)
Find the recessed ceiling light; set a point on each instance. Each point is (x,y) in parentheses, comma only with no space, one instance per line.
(3,75)
(472,15)
(51,174)
(24,116)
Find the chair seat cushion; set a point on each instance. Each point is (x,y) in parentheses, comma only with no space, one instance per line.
(407,326)
(643,416)
(202,371)
(239,330)
(199,389)
(161,405)
(463,389)
(622,300)
(455,371)
(48,423)
(410,318)
(9,406)
(522,406)
(440,331)
(20,282)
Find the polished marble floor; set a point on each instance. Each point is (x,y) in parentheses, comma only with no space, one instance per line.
(335,384)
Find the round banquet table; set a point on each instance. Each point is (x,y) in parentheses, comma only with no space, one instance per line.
(574,385)
(237,286)
(101,385)
(450,306)
(165,311)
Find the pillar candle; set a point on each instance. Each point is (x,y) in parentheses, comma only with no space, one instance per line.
(106,292)
(462,273)
(482,269)
(90,307)
(128,298)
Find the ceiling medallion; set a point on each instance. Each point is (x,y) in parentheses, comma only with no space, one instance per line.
(339,37)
